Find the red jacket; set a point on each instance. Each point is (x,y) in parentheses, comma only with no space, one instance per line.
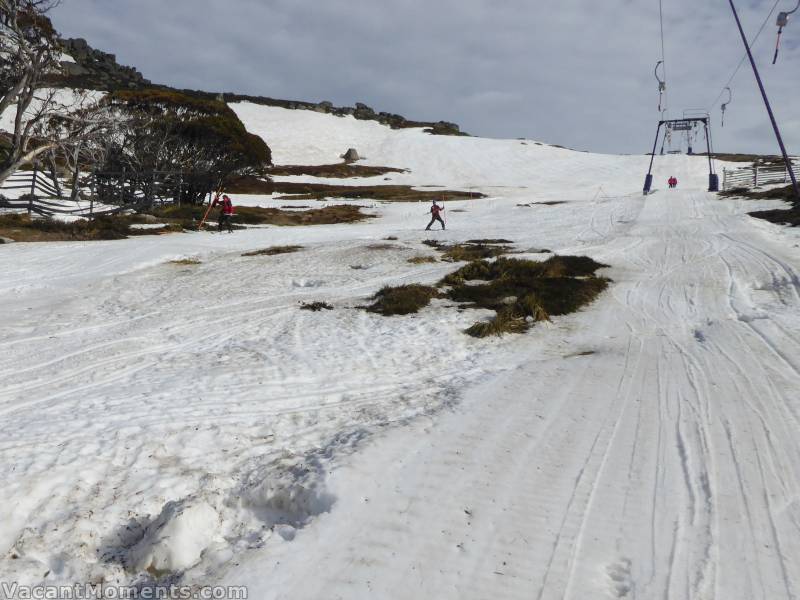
(227,205)
(436,209)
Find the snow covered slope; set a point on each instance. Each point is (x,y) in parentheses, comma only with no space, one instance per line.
(191,421)
(305,137)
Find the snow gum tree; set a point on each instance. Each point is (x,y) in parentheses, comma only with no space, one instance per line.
(44,120)
(165,130)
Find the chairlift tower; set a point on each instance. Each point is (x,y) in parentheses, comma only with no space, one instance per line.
(687,124)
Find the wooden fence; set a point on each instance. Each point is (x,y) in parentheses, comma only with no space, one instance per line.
(104,193)
(756,175)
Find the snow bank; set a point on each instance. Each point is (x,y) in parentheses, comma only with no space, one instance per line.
(176,540)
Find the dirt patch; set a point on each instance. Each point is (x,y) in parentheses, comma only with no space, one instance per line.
(185,262)
(339,170)
(273,250)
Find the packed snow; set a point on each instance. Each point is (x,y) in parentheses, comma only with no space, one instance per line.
(188,422)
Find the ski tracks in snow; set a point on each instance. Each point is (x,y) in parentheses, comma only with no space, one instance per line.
(665,464)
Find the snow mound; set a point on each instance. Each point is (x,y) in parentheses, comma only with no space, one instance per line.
(176,540)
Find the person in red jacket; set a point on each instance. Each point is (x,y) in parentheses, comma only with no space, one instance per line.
(225,213)
(435,210)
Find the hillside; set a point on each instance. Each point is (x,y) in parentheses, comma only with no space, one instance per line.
(88,68)
(172,415)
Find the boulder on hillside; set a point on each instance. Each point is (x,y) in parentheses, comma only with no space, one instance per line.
(351,155)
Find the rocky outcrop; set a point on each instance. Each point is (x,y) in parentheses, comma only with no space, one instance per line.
(359,111)
(94,69)
(97,70)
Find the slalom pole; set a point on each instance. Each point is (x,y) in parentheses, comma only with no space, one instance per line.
(208,210)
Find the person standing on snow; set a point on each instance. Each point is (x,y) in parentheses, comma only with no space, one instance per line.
(225,213)
(435,210)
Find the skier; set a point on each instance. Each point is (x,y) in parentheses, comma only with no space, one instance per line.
(225,213)
(674,182)
(435,210)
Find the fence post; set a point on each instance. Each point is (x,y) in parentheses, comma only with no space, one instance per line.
(724,178)
(755,175)
(180,186)
(33,179)
(92,188)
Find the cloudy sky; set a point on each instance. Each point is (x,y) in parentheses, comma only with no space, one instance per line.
(571,72)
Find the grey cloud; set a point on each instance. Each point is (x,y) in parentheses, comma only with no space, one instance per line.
(571,72)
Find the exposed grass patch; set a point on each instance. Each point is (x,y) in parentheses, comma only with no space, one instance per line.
(339,170)
(545,203)
(506,321)
(469,251)
(315,306)
(489,241)
(421,260)
(580,354)
(776,193)
(761,159)
(782,216)
(523,292)
(402,300)
(384,193)
(273,250)
(185,262)
(385,247)
(391,238)
(250,184)
(189,216)
(520,292)
(22,228)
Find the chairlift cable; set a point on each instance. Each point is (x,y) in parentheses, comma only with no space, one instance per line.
(744,58)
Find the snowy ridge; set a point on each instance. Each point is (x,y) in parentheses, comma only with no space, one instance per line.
(191,423)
